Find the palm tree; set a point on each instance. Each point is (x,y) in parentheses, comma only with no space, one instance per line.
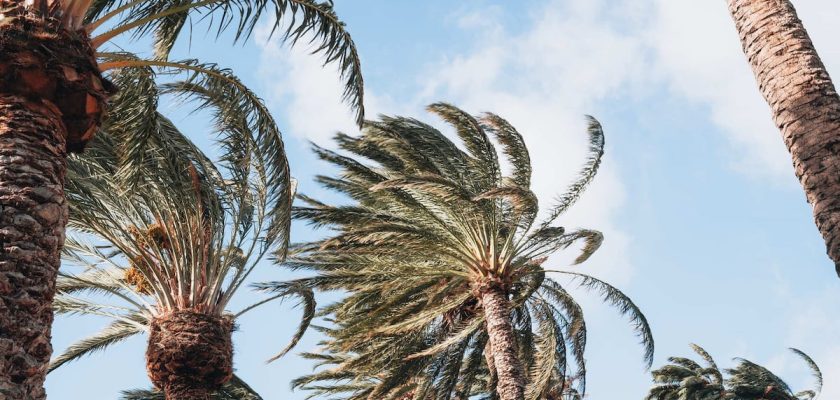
(803,100)
(441,256)
(685,379)
(52,100)
(171,237)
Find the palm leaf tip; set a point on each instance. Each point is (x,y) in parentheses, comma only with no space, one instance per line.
(812,365)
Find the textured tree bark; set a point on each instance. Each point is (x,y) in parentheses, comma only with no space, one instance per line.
(496,306)
(189,355)
(33,214)
(52,97)
(803,100)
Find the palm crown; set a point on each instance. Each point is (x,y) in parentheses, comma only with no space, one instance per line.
(430,228)
(686,379)
(180,231)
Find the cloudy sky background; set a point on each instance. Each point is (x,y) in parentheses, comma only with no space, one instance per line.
(706,227)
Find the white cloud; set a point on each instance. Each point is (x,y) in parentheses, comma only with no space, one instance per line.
(700,58)
(813,328)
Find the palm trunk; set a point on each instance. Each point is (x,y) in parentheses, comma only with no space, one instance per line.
(51,99)
(190,355)
(804,103)
(33,213)
(496,306)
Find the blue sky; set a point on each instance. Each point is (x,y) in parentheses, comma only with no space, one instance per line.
(706,227)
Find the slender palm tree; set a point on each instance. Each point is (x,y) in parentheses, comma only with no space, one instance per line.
(442,258)
(803,100)
(686,379)
(173,240)
(52,100)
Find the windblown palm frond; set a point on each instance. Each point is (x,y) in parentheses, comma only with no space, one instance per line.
(168,228)
(295,20)
(685,379)
(428,226)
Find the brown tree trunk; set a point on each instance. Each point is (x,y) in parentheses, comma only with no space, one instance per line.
(51,101)
(33,213)
(190,355)
(496,306)
(804,103)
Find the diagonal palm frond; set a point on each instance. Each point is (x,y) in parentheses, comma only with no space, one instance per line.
(815,370)
(590,168)
(114,333)
(280,290)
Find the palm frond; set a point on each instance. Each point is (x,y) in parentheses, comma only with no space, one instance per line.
(308,20)
(114,333)
(590,168)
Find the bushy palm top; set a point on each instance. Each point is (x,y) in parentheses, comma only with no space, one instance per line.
(428,225)
(173,229)
(686,379)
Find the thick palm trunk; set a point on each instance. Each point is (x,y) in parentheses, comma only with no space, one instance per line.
(51,101)
(505,361)
(32,218)
(804,103)
(190,355)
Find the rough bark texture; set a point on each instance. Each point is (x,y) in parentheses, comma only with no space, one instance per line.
(804,103)
(42,61)
(496,306)
(190,355)
(51,98)
(33,214)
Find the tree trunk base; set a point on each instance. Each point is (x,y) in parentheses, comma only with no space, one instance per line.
(190,355)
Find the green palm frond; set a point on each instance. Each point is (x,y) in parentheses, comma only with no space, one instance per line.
(244,198)
(619,300)
(115,332)
(429,223)
(307,301)
(815,369)
(296,20)
(590,168)
(156,225)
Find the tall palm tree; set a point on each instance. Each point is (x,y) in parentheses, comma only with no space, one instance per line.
(172,241)
(52,100)
(685,379)
(803,100)
(442,258)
